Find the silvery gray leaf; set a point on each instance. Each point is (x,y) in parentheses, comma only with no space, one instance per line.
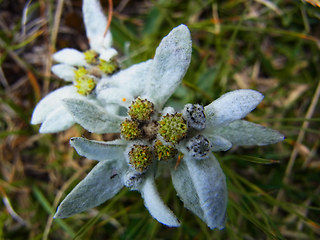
(218,143)
(70,56)
(96,22)
(119,96)
(58,120)
(64,71)
(130,79)
(231,106)
(51,102)
(108,54)
(97,187)
(155,205)
(99,150)
(169,65)
(92,117)
(201,186)
(244,133)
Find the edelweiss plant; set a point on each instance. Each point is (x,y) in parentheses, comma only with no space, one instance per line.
(83,69)
(131,102)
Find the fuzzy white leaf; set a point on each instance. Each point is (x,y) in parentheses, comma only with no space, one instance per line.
(70,56)
(231,106)
(218,143)
(96,22)
(108,54)
(155,205)
(92,117)
(99,185)
(58,120)
(52,101)
(64,71)
(168,110)
(169,66)
(131,79)
(201,185)
(116,109)
(98,150)
(119,96)
(244,133)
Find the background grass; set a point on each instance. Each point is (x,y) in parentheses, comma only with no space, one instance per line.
(270,46)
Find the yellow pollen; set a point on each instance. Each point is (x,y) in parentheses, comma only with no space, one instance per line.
(124,99)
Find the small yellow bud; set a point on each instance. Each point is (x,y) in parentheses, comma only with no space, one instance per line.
(85,85)
(164,152)
(173,128)
(91,57)
(108,67)
(80,72)
(141,109)
(140,157)
(130,129)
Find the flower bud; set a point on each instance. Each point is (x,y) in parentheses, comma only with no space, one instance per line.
(141,109)
(140,157)
(91,57)
(172,127)
(199,147)
(130,129)
(194,114)
(164,152)
(108,67)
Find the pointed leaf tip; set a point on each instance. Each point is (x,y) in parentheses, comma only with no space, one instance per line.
(171,61)
(201,186)
(64,71)
(244,133)
(97,187)
(155,205)
(232,106)
(51,102)
(56,121)
(98,150)
(95,23)
(70,56)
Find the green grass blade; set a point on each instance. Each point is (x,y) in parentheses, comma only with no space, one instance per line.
(46,205)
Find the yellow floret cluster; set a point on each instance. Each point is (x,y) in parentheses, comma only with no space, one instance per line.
(140,157)
(141,109)
(84,82)
(141,126)
(173,128)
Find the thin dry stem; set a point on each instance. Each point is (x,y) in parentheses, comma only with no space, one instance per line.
(295,151)
(58,197)
(56,23)
(110,13)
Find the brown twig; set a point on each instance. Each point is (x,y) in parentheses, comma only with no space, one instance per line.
(110,12)
(34,83)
